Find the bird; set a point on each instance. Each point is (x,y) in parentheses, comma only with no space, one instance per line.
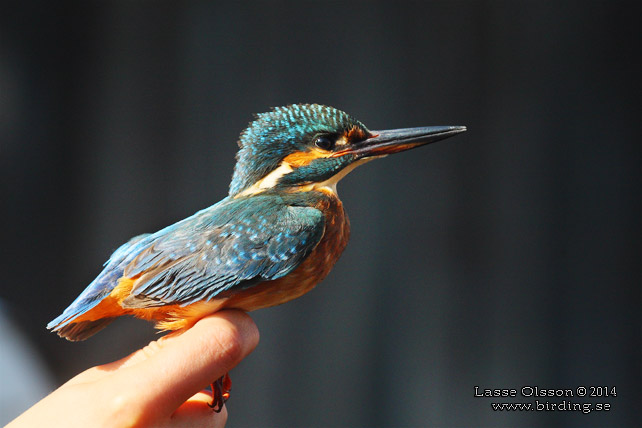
(275,236)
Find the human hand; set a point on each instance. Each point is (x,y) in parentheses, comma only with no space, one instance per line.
(160,385)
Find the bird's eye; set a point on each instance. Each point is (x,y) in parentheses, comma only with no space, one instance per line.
(324,142)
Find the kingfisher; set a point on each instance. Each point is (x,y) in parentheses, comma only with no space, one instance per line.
(272,239)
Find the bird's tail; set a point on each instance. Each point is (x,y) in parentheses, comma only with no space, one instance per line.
(100,288)
(82,330)
(64,324)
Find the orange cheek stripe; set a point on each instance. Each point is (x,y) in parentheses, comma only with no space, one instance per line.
(299,159)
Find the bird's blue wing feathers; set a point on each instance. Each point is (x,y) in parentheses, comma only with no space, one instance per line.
(235,243)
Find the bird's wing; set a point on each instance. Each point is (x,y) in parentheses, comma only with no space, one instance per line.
(238,244)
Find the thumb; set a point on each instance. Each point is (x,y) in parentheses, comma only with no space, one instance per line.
(165,374)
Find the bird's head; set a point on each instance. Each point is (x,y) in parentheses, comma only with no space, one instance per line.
(303,146)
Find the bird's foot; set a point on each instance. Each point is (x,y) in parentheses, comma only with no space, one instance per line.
(221,388)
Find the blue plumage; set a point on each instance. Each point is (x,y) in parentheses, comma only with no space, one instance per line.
(276,235)
(234,243)
(231,244)
(293,127)
(104,282)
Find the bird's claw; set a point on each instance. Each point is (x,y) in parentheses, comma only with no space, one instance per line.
(220,392)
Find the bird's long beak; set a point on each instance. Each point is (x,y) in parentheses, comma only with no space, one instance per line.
(383,143)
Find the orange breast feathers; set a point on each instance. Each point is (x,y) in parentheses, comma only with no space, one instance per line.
(309,273)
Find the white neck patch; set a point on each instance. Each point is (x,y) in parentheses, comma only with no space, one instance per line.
(270,180)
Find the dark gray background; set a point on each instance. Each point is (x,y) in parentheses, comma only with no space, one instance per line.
(505,257)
